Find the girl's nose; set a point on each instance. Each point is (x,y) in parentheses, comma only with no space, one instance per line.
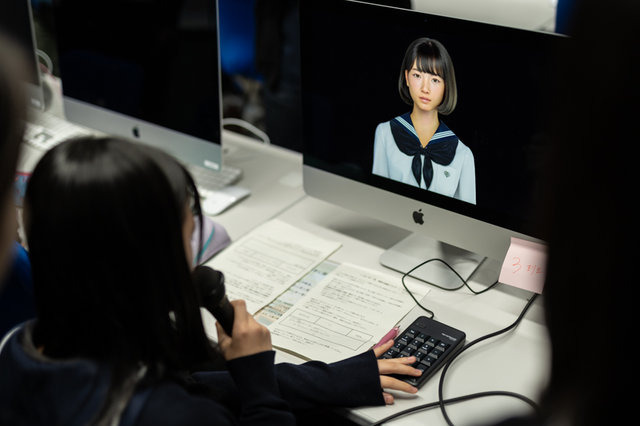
(425,85)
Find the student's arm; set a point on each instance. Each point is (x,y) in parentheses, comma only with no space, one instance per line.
(248,395)
(260,399)
(354,382)
(349,383)
(250,358)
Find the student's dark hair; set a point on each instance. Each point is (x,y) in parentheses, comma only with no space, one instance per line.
(12,112)
(104,220)
(430,56)
(590,215)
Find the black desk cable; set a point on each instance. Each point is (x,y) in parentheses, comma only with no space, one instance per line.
(467,346)
(462,280)
(442,403)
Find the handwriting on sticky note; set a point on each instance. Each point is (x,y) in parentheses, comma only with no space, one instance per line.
(525,265)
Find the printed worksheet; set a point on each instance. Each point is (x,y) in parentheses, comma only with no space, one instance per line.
(274,310)
(267,261)
(344,314)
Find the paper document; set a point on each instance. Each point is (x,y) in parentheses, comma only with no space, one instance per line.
(267,261)
(274,310)
(344,314)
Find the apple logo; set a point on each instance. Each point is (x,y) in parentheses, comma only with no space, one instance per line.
(136,132)
(418,217)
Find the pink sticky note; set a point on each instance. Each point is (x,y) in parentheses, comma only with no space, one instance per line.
(525,265)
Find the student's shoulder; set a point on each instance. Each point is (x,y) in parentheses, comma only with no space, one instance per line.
(384,124)
(383,129)
(463,149)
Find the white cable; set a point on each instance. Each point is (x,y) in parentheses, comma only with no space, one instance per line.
(46,59)
(247,126)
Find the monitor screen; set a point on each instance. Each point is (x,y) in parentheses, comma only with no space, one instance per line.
(431,123)
(16,23)
(147,70)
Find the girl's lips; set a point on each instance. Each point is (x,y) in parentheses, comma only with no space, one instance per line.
(425,99)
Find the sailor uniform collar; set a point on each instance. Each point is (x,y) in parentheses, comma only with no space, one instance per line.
(440,149)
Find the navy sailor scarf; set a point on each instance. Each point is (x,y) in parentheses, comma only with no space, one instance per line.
(441,148)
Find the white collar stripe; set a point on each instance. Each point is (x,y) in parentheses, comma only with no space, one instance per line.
(408,126)
(438,135)
(444,134)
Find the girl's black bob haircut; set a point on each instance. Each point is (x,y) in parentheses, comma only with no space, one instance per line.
(430,56)
(104,223)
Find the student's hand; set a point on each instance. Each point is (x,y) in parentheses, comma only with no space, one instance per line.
(395,366)
(249,336)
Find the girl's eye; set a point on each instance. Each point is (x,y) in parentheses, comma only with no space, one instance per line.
(416,75)
(436,80)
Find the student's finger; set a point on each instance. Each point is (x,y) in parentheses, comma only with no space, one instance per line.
(400,360)
(241,316)
(398,366)
(382,348)
(388,398)
(239,309)
(392,383)
(223,337)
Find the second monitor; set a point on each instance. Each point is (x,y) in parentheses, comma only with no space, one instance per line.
(146,70)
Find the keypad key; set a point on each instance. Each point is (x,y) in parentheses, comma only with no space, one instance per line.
(388,355)
(421,337)
(399,345)
(421,366)
(428,361)
(436,353)
(420,354)
(404,340)
(442,346)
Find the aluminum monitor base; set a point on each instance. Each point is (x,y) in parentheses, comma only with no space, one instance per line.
(416,249)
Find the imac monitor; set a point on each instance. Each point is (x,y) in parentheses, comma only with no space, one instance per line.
(145,70)
(16,23)
(372,77)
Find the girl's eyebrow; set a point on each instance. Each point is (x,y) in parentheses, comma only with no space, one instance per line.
(424,72)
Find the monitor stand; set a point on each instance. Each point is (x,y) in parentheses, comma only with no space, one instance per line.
(417,248)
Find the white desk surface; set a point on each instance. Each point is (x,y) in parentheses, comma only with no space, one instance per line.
(515,362)
(274,176)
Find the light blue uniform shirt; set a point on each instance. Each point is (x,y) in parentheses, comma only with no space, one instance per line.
(457,179)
